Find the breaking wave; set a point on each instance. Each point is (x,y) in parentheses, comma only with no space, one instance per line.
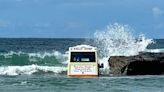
(31,69)
(118,40)
(39,58)
(20,63)
(155,50)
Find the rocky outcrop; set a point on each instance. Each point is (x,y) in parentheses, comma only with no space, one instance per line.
(143,64)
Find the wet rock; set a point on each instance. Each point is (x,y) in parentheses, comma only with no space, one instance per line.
(143,64)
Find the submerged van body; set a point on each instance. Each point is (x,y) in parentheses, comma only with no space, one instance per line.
(82,61)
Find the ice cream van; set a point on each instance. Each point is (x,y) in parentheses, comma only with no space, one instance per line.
(83,61)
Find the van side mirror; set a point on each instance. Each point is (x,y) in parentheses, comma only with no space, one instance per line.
(101,65)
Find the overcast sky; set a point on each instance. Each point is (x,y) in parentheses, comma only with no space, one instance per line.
(78,18)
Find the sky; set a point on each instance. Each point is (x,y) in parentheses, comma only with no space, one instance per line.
(78,18)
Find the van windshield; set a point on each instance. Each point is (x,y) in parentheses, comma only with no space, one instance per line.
(83,57)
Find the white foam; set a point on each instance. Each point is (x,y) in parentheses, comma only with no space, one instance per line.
(29,69)
(45,54)
(105,69)
(23,82)
(117,40)
(10,54)
(33,57)
(59,56)
(155,50)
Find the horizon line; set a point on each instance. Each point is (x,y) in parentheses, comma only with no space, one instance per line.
(53,38)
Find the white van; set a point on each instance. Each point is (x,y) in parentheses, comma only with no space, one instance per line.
(83,61)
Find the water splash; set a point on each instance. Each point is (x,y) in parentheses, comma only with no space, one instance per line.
(118,40)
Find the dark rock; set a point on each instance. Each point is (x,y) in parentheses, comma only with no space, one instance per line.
(143,64)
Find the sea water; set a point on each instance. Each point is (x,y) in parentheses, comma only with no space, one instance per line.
(40,64)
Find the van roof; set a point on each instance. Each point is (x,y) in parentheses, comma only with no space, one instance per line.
(82,48)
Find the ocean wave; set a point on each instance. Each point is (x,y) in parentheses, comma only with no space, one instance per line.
(39,58)
(155,50)
(118,40)
(30,69)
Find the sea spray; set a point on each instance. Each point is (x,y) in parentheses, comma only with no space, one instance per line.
(118,40)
